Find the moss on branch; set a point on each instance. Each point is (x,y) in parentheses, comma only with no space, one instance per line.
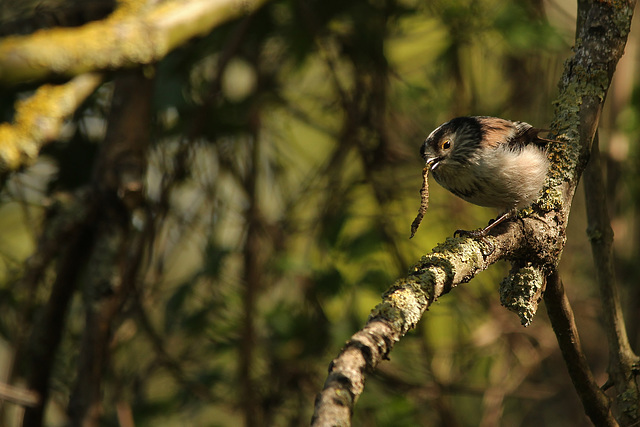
(131,36)
(38,119)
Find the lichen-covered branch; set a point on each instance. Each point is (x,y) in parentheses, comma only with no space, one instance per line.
(456,261)
(522,290)
(39,118)
(137,33)
(345,382)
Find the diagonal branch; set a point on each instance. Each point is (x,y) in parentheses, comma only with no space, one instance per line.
(39,119)
(456,261)
(18,395)
(129,37)
(596,404)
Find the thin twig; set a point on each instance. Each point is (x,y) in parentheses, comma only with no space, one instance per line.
(171,364)
(18,395)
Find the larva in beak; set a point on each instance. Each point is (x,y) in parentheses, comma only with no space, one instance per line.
(424,200)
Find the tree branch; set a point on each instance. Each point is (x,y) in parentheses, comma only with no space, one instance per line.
(596,404)
(131,36)
(117,253)
(46,334)
(18,395)
(39,118)
(456,261)
(623,362)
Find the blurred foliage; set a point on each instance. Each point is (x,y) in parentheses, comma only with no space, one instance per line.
(283,178)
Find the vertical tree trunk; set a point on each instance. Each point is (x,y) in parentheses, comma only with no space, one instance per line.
(118,250)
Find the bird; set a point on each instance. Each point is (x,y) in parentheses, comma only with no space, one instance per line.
(488,161)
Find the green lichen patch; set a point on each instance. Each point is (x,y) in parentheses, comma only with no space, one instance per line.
(520,292)
(551,199)
(403,304)
(566,151)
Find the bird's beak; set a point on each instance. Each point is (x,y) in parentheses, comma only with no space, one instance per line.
(430,159)
(432,163)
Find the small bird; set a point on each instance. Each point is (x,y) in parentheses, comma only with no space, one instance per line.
(489,162)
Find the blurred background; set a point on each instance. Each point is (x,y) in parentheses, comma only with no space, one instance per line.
(283,175)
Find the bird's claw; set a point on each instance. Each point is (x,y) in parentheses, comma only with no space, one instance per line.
(480,232)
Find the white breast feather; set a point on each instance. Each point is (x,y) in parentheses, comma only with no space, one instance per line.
(488,182)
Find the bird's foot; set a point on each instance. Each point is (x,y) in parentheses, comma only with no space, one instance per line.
(480,232)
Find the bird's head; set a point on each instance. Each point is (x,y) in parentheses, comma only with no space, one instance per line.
(454,142)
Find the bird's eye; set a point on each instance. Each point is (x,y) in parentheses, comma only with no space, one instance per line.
(446,145)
